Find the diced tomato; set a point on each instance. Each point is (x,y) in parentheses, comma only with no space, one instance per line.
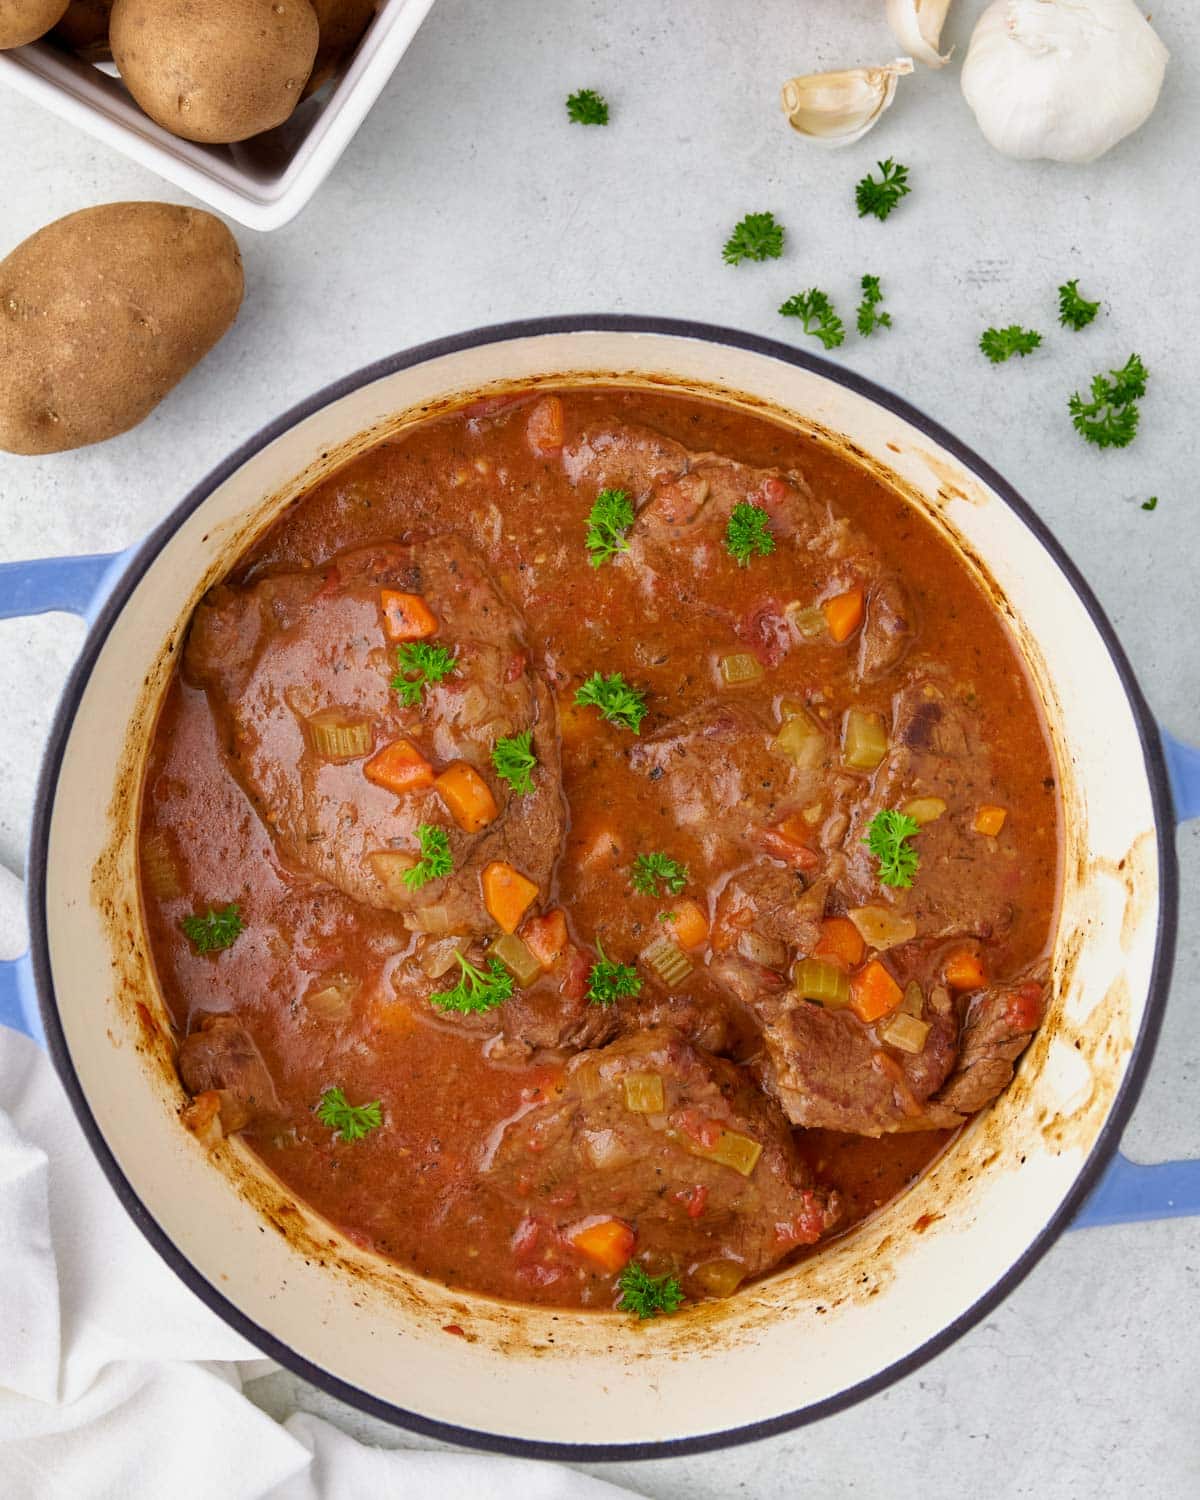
(787,841)
(766,630)
(525,1237)
(515,667)
(775,490)
(700,1128)
(575,975)
(1025,1007)
(546,936)
(805,1227)
(697,1200)
(545,427)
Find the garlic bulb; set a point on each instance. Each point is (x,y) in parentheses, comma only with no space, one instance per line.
(837,109)
(1063,79)
(917,26)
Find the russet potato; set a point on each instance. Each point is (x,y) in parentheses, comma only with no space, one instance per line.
(219,72)
(102,313)
(23,21)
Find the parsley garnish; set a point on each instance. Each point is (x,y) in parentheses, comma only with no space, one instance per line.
(513,761)
(757,237)
(868,319)
(1110,418)
(649,869)
(587,107)
(819,317)
(436,859)
(609,981)
(609,519)
(647,1295)
(1151,504)
(887,838)
(748,533)
(879,198)
(1000,344)
(351,1121)
(430,663)
(617,701)
(1074,311)
(215,929)
(478,990)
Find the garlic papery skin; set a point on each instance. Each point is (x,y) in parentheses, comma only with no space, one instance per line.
(917,26)
(837,109)
(1062,79)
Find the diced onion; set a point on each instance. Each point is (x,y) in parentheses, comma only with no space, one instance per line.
(720,1278)
(390,867)
(905,1032)
(825,983)
(800,741)
(605,1148)
(739,667)
(880,928)
(434,919)
(330,996)
(159,869)
(864,740)
(668,961)
(914,999)
(771,953)
(807,620)
(516,958)
(924,809)
(644,1093)
(335,736)
(438,957)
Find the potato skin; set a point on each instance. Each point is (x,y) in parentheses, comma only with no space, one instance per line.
(341,24)
(217,72)
(84,29)
(23,21)
(102,312)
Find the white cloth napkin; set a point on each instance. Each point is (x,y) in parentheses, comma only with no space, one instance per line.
(116,1383)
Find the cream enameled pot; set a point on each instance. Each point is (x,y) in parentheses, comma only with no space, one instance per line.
(800,1343)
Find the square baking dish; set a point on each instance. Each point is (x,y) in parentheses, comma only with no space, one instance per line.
(263,182)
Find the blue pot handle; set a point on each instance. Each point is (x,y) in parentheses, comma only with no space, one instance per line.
(1130,1192)
(75,585)
(1125,1193)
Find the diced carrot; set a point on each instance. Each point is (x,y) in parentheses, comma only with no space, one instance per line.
(789,841)
(545,429)
(687,922)
(507,894)
(546,936)
(467,795)
(990,819)
(399,767)
(963,970)
(873,992)
(609,1243)
(406,617)
(844,613)
(840,943)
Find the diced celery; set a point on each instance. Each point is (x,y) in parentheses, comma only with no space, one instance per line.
(807,620)
(739,667)
(914,999)
(823,982)
(668,961)
(516,958)
(864,740)
(740,1152)
(334,736)
(159,868)
(644,1093)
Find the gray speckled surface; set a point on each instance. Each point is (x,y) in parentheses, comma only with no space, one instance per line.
(466,199)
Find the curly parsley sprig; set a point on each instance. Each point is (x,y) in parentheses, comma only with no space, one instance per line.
(647,1296)
(214,930)
(1075,311)
(820,319)
(748,533)
(478,990)
(609,519)
(1000,344)
(651,869)
(880,198)
(616,700)
(609,981)
(436,861)
(587,107)
(350,1121)
(756,237)
(869,318)
(513,761)
(420,663)
(1110,418)
(887,838)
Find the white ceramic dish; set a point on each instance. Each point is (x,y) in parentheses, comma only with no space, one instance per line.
(261,183)
(798,1344)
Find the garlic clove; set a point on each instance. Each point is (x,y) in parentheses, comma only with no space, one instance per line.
(1062,80)
(917,26)
(836,109)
